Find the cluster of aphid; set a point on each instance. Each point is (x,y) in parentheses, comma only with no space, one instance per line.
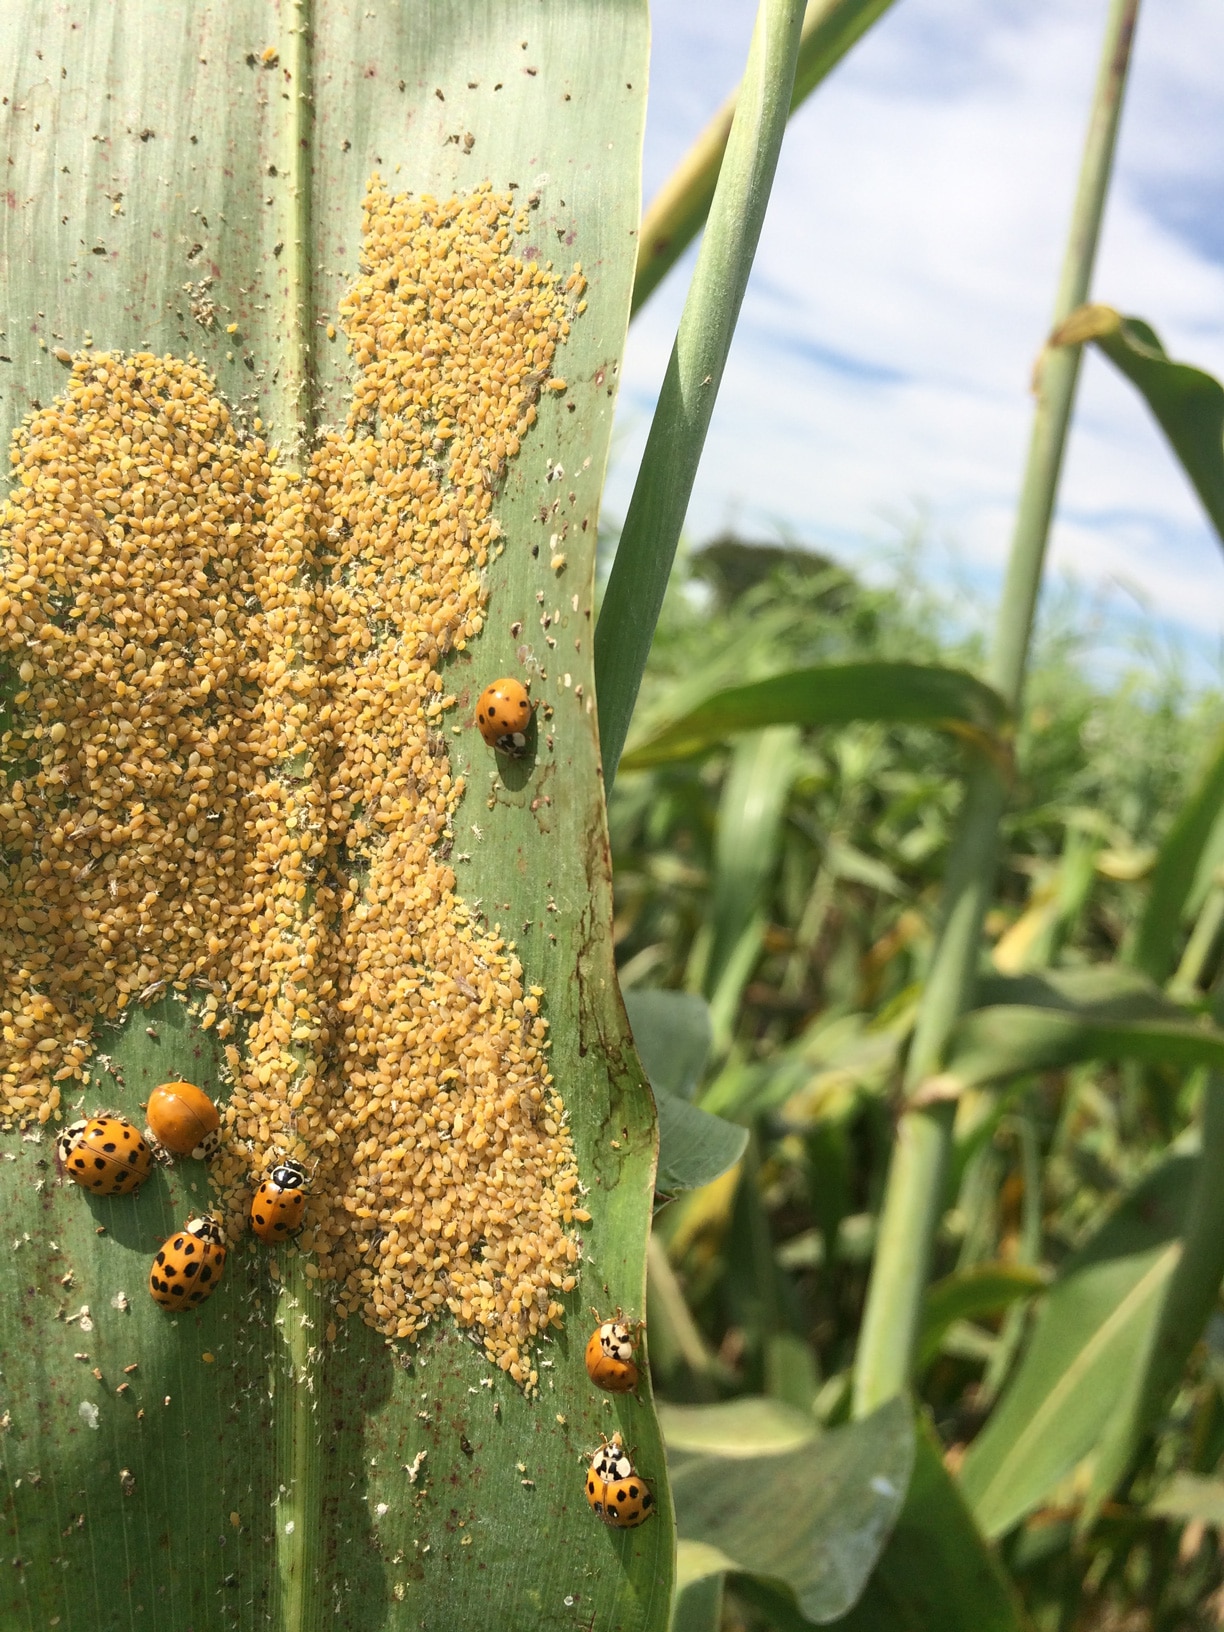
(106,1155)
(618,1494)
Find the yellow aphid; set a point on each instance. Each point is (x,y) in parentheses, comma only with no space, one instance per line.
(165,838)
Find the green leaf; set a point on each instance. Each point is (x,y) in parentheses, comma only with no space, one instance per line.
(936,1573)
(699,1599)
(831,694)
(995,1044)
(813,1519)
(753,1425)
(694,1146)
(142,139)
(673,1037)
(1190,1497)
(1099,991)
(672,1031)
(1188,403)
(968,1294)
(1196,828)
(678,213)
(651,531)
(751,810)
(1087,1338)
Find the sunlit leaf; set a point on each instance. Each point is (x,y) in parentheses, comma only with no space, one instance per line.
(936,1574)
(753,1425)
(1188,404)
(1190,1497)
(257,1468)
(969,1294)
(814,1519)
(833,694)
(1087,1338)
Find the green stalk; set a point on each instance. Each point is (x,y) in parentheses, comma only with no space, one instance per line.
(914,1192)
(677,434)
(678,212)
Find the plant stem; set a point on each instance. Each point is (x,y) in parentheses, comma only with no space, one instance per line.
(678,431)
(679,210)
(914,1192)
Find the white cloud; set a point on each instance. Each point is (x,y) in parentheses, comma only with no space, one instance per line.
(906,274)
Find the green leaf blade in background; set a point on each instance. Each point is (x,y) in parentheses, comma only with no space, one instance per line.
(833,694)
(672,1033)
(813,1519)
(936,1573)
(1079,1360)
(1187,402)
(143,174)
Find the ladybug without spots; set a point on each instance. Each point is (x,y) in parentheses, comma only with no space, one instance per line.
(183,1120)
(503,715)
(617,1493)
(189,1266)
(279,1203)
(104,1154)
(610,1353)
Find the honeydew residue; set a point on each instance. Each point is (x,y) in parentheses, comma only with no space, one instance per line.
(227,776)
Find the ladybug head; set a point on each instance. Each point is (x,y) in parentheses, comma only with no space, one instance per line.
(207,1228)
(288,1175)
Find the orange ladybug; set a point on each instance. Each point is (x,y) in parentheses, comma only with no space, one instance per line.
(617,1493)
(280,1201)
(189,1266)
(183,1120)
(610,1353)
(504,715)
(104,1154)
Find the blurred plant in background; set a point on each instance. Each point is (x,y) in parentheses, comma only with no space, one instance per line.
(790,878)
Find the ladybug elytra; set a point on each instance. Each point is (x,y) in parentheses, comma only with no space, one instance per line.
(183,1120)
(279,1203)
(617,1493)
(503,715)
(104,1154)
(189,1266)
(610,1350)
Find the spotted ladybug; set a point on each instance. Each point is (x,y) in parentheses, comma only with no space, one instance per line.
(617,1493)
(504,715)
(610,1353)
(280,1201)
(190,1264)
(183,1120)
(104,1154)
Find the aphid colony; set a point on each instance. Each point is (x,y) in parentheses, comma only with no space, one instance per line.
(105,1155)
(227,778)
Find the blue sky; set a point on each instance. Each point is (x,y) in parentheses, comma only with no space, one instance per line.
(905,278)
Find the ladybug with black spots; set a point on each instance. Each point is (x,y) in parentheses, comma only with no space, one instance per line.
(280,1202)
(189,1266)
(610,1354)
(503,715)
(104,1154)
(617,1493)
